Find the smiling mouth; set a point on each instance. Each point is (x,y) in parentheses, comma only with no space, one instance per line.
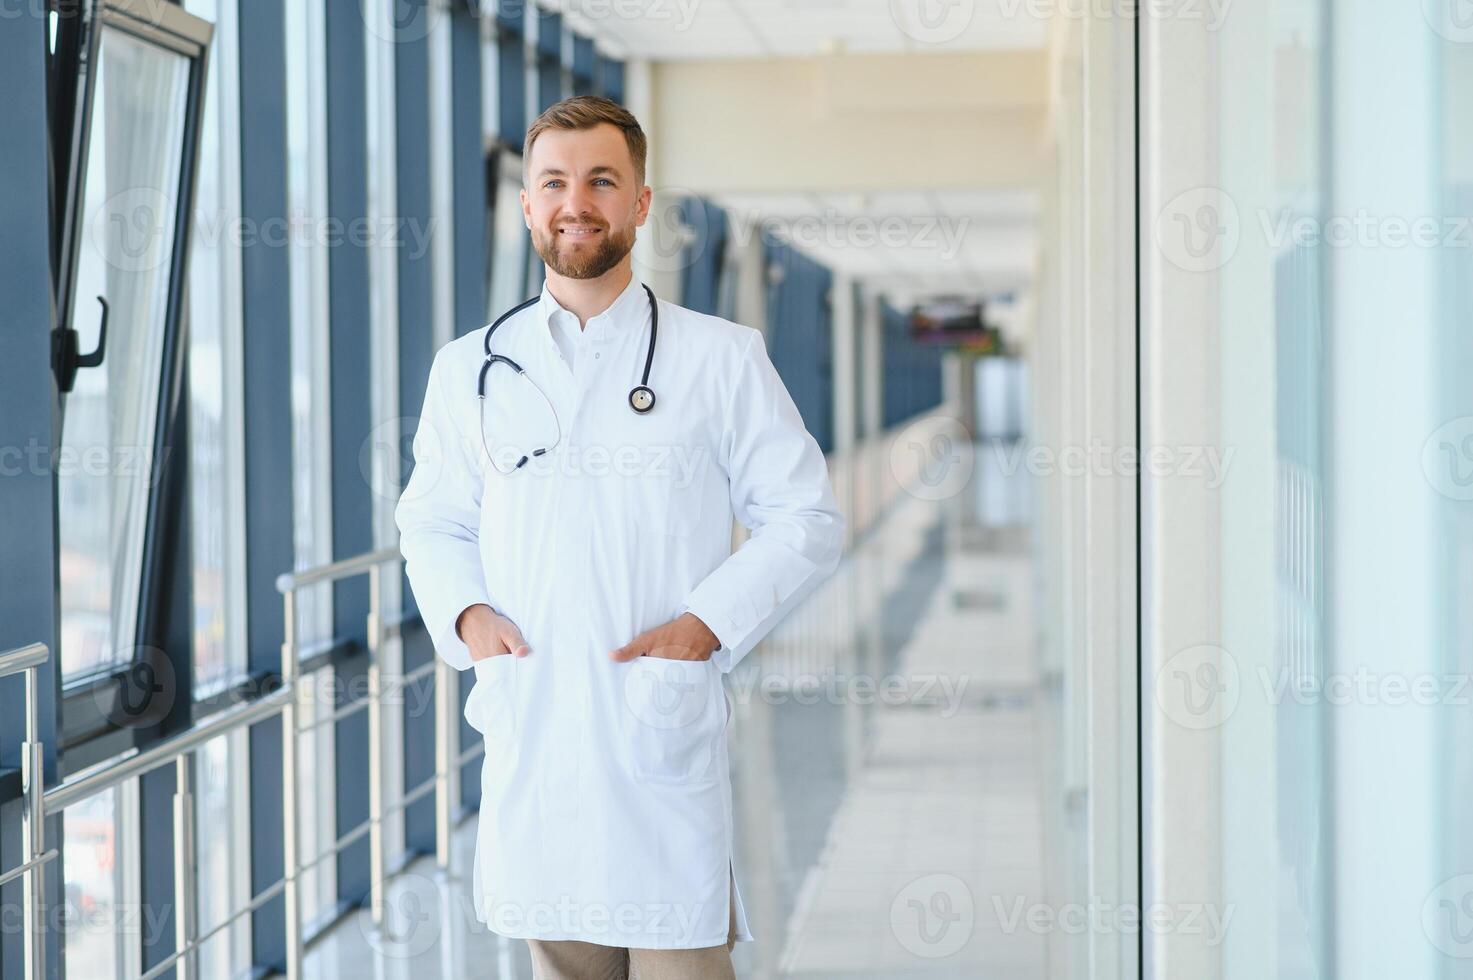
(577,232)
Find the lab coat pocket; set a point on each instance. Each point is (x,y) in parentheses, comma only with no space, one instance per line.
(677,713)
(665,474)
(665,505)
(491,707)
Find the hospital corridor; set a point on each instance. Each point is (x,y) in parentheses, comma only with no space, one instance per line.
(705,489)
(842,793)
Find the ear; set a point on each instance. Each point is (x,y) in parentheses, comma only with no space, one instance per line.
(526,209)
(642,205)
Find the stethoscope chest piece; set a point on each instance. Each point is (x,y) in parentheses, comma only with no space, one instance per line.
(641,398)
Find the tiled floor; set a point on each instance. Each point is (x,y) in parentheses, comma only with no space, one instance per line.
(887,784)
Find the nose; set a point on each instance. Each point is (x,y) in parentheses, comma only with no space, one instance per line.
(575,205)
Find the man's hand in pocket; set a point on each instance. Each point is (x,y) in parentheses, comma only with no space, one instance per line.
(487,633)
(686,637)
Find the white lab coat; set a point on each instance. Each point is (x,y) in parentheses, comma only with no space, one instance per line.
(606,811)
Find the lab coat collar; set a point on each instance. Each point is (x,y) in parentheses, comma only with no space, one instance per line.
(627,310)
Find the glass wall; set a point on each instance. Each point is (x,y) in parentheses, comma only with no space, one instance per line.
(1400,428)
(1309,603)
(1273,390)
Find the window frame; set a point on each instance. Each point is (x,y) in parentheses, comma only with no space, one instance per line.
(89,729)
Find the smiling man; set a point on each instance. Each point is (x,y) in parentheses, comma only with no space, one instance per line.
(567,534)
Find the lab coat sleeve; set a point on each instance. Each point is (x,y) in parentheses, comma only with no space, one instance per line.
(438,515)
(780,490)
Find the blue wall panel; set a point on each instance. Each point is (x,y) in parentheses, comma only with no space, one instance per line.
(800,333)
(28,601)
(468,165)
(268,433)
(912,371)
(350,367)
(705,256)
(511,75)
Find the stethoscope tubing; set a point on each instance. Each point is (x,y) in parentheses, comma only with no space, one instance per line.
(641,397)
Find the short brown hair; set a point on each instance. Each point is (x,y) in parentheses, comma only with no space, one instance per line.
(585,112)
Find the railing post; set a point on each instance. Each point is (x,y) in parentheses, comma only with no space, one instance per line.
(184,872)
(33,833)
(377,859)
(447,759)
(290,785)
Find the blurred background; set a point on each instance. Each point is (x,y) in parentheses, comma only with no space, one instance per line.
(1136,336)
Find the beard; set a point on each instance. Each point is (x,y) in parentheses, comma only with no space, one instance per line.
(584,260)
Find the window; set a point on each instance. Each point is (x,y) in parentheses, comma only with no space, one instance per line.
(121,270)
(306,213)
(317,768)
(111,413)
(222,821)
(307,180)
(101,882)
(217,510)
(510,241)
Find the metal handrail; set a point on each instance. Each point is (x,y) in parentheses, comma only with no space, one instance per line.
(22,658)
(288,582)
(33,855)
(112,773)
(445,783)
(286,700)
(358,704)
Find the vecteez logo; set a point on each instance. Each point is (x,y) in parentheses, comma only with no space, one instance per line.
(1450,19)
(1199,230)
(1198,688)
(933,21)
(933,916)
(1447,458)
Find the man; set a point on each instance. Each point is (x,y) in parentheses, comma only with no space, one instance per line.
(592,586)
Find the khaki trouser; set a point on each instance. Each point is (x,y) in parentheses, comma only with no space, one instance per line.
(571,960)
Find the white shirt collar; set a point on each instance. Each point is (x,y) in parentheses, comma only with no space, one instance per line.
(627,310)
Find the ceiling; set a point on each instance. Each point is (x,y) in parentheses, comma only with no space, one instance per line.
(969,241)
(905,243)
(667,30)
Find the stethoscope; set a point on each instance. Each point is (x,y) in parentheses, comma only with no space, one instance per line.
(641,396)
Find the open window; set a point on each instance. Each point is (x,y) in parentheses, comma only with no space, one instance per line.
(118,349)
